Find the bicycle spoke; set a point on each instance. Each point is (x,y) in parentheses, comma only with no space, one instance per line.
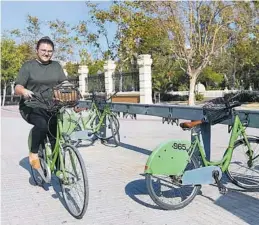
(75,187)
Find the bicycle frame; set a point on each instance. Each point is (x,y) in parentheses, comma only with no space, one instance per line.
(237,130)
(101,117)
(57,153)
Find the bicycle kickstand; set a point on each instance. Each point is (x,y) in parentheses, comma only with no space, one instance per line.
(222,189)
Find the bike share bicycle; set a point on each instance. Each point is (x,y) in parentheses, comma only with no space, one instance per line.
(175,170)
(102,124)
(64,161)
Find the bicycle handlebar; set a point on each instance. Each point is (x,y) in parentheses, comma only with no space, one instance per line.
(51,102)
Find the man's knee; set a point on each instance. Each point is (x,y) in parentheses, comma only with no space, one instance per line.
(41,124)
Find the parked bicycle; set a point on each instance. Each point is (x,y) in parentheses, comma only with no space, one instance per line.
(103,124)
(64,161)
(175,172)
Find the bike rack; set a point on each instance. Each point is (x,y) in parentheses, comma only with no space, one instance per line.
(172,114)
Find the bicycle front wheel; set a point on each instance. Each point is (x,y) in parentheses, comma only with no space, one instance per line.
(243,169)
(74,182)
(167,191)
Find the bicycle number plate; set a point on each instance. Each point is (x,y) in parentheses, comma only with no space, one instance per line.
(179,145)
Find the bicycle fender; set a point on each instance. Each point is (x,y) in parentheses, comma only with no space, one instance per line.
(169,158)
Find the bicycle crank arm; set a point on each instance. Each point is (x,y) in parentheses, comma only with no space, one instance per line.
(201,176)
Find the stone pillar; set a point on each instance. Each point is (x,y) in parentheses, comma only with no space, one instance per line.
(65,72)
(109,69)
(145,79)
(83,71)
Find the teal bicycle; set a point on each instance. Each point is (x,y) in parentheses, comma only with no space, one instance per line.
(176,169)
(64,161)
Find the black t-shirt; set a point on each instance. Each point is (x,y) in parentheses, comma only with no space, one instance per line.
(38,77)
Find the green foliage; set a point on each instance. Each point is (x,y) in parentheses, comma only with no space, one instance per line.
(27,51)
(72,69)
(210,78)
(222,37)
(95,67)
(169,97)
(12,58)
(199,97)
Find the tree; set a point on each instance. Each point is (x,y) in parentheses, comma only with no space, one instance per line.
(11,60)
(62,37)
(238,62)
(33,30)
(198,30)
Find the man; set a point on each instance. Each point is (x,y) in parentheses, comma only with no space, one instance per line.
(36,76)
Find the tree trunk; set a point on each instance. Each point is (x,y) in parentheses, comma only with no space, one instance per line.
(233,85)
(4,94)
(12,91)
(192,83)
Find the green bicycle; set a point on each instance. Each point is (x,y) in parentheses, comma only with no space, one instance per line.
(174,171)
(102,124)
(64,160)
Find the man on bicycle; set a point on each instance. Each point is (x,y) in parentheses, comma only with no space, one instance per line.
(34,77)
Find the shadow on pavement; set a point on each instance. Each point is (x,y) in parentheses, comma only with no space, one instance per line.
(137,188)
(24,163)
(135,148)
(241,205)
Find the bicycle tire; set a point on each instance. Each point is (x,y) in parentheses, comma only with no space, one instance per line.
(168,206)
(115,131)
(38,180)
(67,148)
(232,173)
(99,135)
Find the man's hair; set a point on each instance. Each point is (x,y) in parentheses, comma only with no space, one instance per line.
(46,40)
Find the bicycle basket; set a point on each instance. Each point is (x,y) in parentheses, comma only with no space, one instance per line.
(216,111)
(66,95)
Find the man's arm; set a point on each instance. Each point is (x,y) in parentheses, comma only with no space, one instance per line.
(21,82)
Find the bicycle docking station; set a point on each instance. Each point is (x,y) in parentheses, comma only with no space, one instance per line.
(173,113)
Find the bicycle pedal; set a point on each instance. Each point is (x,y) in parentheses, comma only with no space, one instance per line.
(223,190)
(59,174)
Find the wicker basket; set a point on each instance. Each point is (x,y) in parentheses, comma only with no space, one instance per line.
(66,95)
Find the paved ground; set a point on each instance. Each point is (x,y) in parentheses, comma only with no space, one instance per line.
(117,189)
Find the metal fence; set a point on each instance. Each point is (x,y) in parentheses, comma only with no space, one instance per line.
(11,99)
(124,82)
(95,83)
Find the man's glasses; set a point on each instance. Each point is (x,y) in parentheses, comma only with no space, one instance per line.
(46,51)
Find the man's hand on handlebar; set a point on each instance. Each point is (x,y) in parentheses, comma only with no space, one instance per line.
(27,94)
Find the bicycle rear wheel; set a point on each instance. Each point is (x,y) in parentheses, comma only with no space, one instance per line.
(74,182)
(114,126)
(111,127)
(243,171)
(167,191)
